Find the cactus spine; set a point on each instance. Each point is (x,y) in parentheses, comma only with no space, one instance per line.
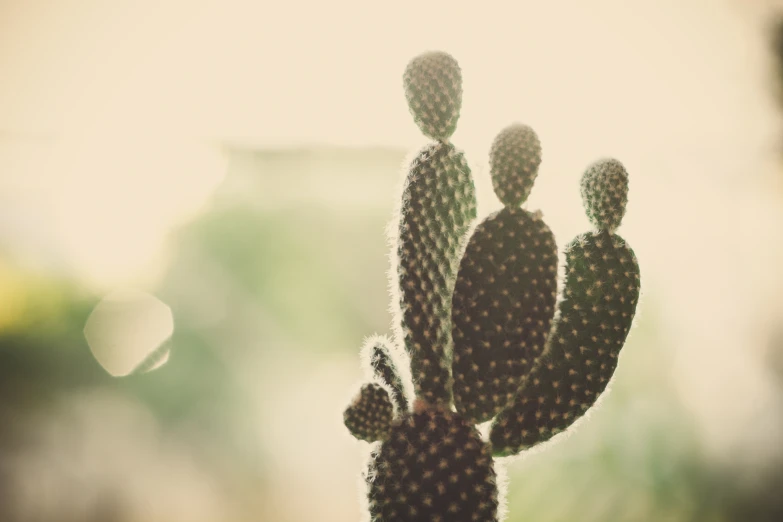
(519,357)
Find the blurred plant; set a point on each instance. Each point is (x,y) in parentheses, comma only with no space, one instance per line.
(478,320)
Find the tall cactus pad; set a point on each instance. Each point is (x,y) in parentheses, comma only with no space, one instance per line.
(433,88)
(601,292)
(605,193)
(502,309)
(433,467)
(370,415)
(384,369)
(438,206)
(506,287)
(514,159)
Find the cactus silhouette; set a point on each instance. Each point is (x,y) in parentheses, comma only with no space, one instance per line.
(438,206)
(593,320)
(506,287)
(483,308)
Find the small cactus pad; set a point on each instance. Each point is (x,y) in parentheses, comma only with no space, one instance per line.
(438,206)
(433,88)
(513,160)
(502,309)
(605,193)
(433,467)
(383,368)
(601,291)
(370,415)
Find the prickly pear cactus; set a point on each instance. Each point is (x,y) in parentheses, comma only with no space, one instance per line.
(438,206)
(432,466)
(433,88)
(506,287)
(519,357)
(370,415)
(594,317)
(382,363)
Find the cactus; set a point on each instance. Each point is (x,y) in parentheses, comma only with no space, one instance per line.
(594,317)
(438,206)
(433,88)
(381,359)
(433,466)
(519,357)
(370,415)
(506,287)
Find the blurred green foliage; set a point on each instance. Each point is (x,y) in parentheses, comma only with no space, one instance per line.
(254,288)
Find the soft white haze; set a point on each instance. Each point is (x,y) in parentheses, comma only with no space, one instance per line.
(597,73)
(121,109)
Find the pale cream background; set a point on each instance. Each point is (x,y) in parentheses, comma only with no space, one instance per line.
(103,103)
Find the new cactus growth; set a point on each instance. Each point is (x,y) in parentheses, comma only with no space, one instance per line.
(488,317)
(382,365)
(433,88)
(369,417)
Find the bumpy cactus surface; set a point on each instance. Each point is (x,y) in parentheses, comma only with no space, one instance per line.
(484,310)
(506,287)
(370,416)
(438,206)
(433,466)
(382,364)
(594,317)
(433,88)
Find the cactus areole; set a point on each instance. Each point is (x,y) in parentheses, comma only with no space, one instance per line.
(481,327)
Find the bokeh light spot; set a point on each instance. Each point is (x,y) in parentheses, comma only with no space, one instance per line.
(127,332)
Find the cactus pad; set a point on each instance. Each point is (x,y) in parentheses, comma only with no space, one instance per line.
(605,193)
(433,467)
(514,159)
(383,368)
(438,206)
(369,417)
(433,88)
(601,292)
(502,309)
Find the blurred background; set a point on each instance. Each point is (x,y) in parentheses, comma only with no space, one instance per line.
(193,199)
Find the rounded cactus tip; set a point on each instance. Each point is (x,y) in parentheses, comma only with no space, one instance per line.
(513,161)
(605,193)
(433,88)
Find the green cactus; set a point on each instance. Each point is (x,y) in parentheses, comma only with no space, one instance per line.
(433,466)
(433,88)
(594,317)
(506,288)
(380,355)
(370,415)
(517,360)
(605,193)
(438,206)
